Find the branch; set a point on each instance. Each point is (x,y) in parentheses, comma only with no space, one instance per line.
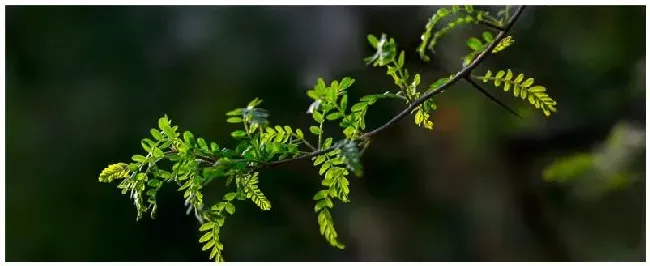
(465,71)
(491,25)
(460,74)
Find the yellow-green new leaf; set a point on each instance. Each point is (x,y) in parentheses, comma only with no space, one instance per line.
(208,245)
(206,226)
(113,172)
(535,95)
(206,237)
(256,195)
(528,82)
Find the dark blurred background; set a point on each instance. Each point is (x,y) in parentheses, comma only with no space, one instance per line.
(85,84)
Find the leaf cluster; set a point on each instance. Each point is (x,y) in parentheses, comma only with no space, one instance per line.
(195,162)
(478,46)
(522,87)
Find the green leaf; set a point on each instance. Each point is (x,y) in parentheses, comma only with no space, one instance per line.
(300,134)
(537,89)
(468,60)
(207,236)
(214,254)
(218,207)
(359,106)
(238,134)
(318,117)
(487,36)
(519,78)
(325,202)
(334,116)
(253,103)
(256,196)
(320,84)
(319,159)
(321,194)
(373,40)
(146,144)
(327,143)
(400,60)
(324,168)
(438,83)
(442,11)
(509,75)
(474,44)
(114,171)
(337,161)
(220,221)
(416,80)
(516,91)
(488,74)
(418,117)
(235,112)
(349,131)
(156,134)
(497,78)
(139,158)
(206,227)
(344,102)
(230,196)
(234,119)
(314,129)
(208,245)
(531,99)
(163,124)
(188,137)
(230,208)
(157,153)
(369,98)
(212,172)
(346,83)
(202,144)
(214,147)
(528,82)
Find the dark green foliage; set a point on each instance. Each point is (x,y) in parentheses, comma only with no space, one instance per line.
(605,168)
(260,144)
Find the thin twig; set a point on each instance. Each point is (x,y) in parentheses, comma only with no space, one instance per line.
(491,25)
(309,145)
(482,90)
